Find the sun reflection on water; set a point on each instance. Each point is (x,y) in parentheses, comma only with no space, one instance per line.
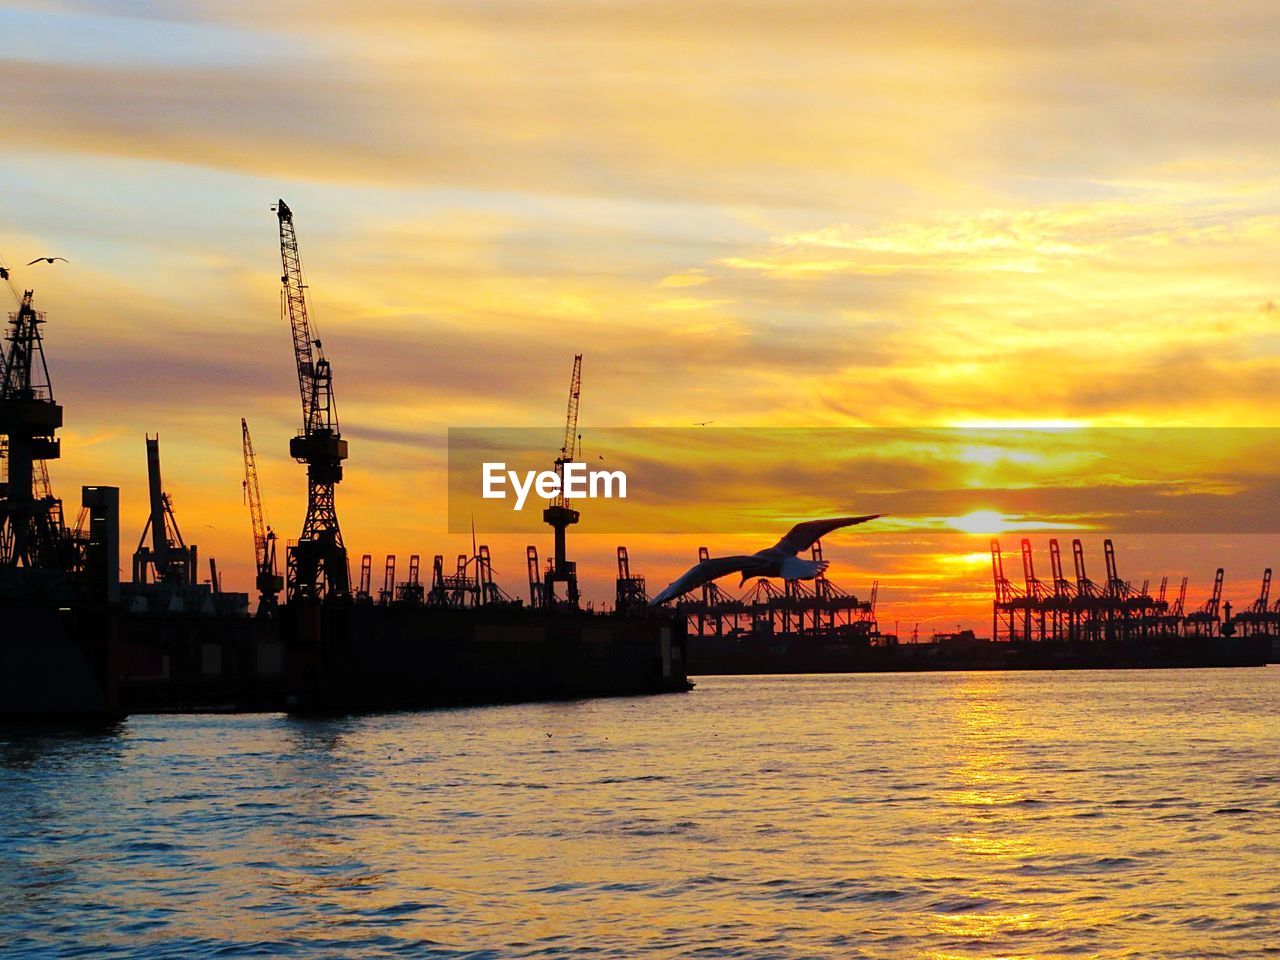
(984,790)
(950,816)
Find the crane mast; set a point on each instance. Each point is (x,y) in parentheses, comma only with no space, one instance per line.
(317,565)
(268,581)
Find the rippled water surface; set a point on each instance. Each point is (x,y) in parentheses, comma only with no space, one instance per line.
(951,815)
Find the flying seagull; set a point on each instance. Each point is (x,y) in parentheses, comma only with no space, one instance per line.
(780,560)
(703,423)
(48,260)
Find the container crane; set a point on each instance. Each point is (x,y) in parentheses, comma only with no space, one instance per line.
(1205,620)
(1181,605)
(1264,596)
(366,577)
(559,514)
(1116,588)
(1037,591)
(268,581)
(535,576)
(1258,618)
(1036,588)
(1003,611)
(316,566)
(631,594)
(1059,602)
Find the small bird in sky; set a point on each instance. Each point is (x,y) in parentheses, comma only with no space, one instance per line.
(780,560)
(4,273)
(47,260)
(702,423)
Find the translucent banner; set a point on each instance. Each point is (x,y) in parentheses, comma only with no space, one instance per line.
(970,480)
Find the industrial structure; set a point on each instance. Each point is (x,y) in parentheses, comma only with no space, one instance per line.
(815,611)
(78,641)
(36,553)
(1080,609)
(1262,617)
(166,569)
(559,514)
(267,580)
(165,557)
(42,558)
(317,564)
(470,585)
(630,593)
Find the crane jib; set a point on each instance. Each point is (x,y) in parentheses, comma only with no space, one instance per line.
(315,382)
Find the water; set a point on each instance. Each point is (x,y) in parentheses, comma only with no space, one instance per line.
(944,816)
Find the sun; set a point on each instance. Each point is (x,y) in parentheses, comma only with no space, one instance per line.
(981,521)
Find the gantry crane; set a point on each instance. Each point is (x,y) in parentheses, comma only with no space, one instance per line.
(535,577)
(268,581)
(1259,619)
(1205,621)
(631,594)
(1003,615)
(317,565)
(559,514)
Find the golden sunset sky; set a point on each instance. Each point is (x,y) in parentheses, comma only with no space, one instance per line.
(809,213)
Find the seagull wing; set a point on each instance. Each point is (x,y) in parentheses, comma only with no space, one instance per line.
(36,260)
(804,535)
(705,572)
(63,259)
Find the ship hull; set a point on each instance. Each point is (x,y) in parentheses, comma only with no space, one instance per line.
(369,657)
(58,663)
(360,657)
(105,663)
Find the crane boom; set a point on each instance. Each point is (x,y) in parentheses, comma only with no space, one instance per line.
(559,514)
(569,448)
(268,581)
(315,377)
(253,494)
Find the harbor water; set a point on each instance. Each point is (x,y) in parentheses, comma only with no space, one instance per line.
(958,815)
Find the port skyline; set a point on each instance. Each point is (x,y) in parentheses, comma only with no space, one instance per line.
(897,280)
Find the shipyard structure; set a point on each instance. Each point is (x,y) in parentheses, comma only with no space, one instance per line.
(77,640)
(1059,623)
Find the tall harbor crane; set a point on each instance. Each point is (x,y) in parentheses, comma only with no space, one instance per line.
(559,514)
(31,534)
(268,582)
(316,566)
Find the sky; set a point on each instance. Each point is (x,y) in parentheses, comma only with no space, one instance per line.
(803,214)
